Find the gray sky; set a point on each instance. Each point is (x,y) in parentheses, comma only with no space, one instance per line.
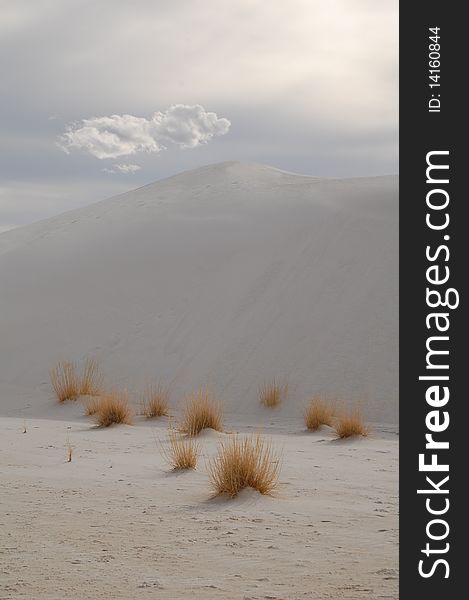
(99,97)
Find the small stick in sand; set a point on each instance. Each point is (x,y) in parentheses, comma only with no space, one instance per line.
(69,449)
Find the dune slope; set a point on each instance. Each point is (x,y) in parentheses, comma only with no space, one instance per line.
(228,275)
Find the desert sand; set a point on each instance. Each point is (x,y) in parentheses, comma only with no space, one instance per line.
(117,523)
(226,276)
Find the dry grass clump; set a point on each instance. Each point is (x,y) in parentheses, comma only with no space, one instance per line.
(68,385)
(91,379)
(350,423)
(242,463)
(318,413)
(65,382)
(113,407)
(155,401)
(183,451)
(91,405)
(201,412)
(272,394)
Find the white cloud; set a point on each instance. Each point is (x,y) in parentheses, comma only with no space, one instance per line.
(188,126)
(125,135)
(122,168)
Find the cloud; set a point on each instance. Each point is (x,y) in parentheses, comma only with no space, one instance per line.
(125,135)
(122,168)
(312,87)
(188,126)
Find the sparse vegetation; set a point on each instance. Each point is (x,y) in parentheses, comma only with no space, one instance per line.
(242,463)
(350,423)
(91,379)
(273,394)
(68,385)
(91,405)
(155,401)
(65,381)
(113,407)
(318,413)
(182,452)
(201,412)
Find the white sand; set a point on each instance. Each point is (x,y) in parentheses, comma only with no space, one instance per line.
(227,275)
(115,524)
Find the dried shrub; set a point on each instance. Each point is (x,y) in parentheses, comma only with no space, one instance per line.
(242,463)
(91,379)
(318,413)
(91,405)
(65,382)
(113,407)
(182,452)
(272,394)
(201,412)
(350,423)
(155,401)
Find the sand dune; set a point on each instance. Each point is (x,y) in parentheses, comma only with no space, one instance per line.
(228,275)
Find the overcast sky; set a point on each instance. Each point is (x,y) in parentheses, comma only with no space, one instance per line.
(99,97)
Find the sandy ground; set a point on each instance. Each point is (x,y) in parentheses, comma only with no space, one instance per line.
(116,523)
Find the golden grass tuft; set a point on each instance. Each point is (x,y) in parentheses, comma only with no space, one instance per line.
(68,385)
(113,407)
(243,463)
(91,405)
(201,412)
(91,379)
(318,413)
(155,401)
(183,451)
(350,423)
(272,394)
(65,382)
